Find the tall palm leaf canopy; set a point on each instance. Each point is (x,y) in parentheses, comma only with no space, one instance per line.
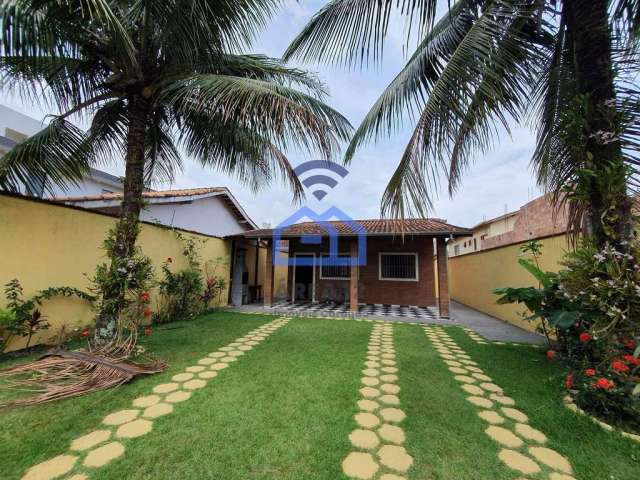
(483,67)
(176,62)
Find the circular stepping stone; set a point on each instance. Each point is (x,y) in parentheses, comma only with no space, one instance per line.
(480,402)
(158,410)
(373,358)
(390,388)
(103,455)
(464,379)
(392,415)
(182,377)
(177,397)
(367,420)
(251,343)
(134,429)
(560,476)
(219,366)
(395,457)
(458,370)
(360,465)
(236,353)
(235,344)
(389,369)
(390,378)
(372,364)
(368,392)
(447,356)
(52,468)
(530,433)
(78,476)
(218,354)
(371,372)
(491,387)
(367,405)
(504,437)
(551,458)
(195,369)
(453,363)
(364,439)
(387,361)
(514,414)
(503,399)
(471,368)
(388,355)
(391,476)
(90,440)
(228,359)
(492,417)
(519,462)
(118,418)
(392,434)
(208,374)
(226,349)
(370,381)
(482,376)
(473,389)
(468,362)
(207,361)
(194,384)
(245,348)
(166,387)
(463,356)
(390,399)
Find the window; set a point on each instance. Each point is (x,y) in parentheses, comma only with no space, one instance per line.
(330,271)
(398,266)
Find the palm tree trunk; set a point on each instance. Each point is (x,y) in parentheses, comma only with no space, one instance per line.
(609,213)
(126,231)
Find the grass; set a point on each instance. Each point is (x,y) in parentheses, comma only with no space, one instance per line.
(285,410)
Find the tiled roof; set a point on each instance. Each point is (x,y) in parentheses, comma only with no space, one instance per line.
(187,192)
(411,226)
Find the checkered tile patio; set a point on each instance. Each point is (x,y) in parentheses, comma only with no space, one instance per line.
(327,309)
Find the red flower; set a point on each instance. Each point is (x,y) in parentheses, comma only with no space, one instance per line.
(169,260)
(144,296)
(147,312)
(585,337)
(630,344)
(590,372)
(147,331)
(568,382)
(604,384)
(632,360)
(85,333)
(551,354)
(619,366)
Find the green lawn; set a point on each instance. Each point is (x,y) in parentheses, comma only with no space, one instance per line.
(285,409)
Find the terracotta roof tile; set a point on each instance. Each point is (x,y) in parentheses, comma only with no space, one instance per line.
(187,192)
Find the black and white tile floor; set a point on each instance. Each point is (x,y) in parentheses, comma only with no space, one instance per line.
(364,309)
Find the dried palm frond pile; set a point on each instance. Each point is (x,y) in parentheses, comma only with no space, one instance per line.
(62,373)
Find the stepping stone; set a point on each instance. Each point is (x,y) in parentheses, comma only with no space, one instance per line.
(447,356)
(158,410)
(370,381)
(388,355)
(367,420)
(368,405)
(78,476)
(364,439)
(373,358)
(219,366)
(471,368)
(372,364)
(466,357)
(464,379)
(245,348)
(503,399)
(473,389)
(235,344)
(389,369)
(207,361)
(530,433)
(480,402)
(482,376)
(514,414)
(371,372)
(453,363)
(368,392)
(391,433)
(390,378)
(236,353)
(504,437)
(166,387)
(517,461)
(387,361)
(182,377)
(391,476)
(468,362)
(491,387)
(560,476)
(177,397)
(52,468)
(390,399)
(360,465)
(90,440)
(551,458)
(392,415)
(194,384)
(491,417)
(228,359)
(118,418)
(103,455)
(208,374)
(390,388)
(395,457)
(134,429)
(226,349)
(251,343)
(458,370)
(195,369)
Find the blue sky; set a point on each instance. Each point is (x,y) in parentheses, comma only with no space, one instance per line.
(501,179)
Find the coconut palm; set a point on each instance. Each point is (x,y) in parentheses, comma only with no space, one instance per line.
(154,78)
(487,65)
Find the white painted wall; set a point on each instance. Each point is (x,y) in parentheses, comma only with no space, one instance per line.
(89,186)
(17,121)
(208,215)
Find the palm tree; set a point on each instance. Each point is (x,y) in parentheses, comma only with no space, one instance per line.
(567,65)
(154,77)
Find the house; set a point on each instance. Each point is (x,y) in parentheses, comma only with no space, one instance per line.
(535,219)
(397,267)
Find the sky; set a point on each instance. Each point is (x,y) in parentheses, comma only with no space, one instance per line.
(498,181)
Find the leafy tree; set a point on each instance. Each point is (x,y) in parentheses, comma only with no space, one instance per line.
(154,77)
(489,64)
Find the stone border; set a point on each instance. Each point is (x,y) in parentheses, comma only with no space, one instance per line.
(571,405)
(522,446)
(138,421)
(377,442)
(476,337)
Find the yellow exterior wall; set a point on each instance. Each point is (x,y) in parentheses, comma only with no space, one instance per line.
(473,277)
(45,245)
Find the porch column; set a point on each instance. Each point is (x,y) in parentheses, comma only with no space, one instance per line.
(353,281)
(443,278)
(238,270)
(268,276)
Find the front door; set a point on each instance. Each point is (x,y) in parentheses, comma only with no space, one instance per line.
(303,279)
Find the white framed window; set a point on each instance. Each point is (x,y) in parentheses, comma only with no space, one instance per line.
(330,271)
(398,266)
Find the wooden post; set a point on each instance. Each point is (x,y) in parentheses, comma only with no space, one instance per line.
(443,278)
(268,275)
(353,282)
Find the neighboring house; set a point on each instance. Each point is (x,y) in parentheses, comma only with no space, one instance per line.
(535,219)
(96,182)
(399,267)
